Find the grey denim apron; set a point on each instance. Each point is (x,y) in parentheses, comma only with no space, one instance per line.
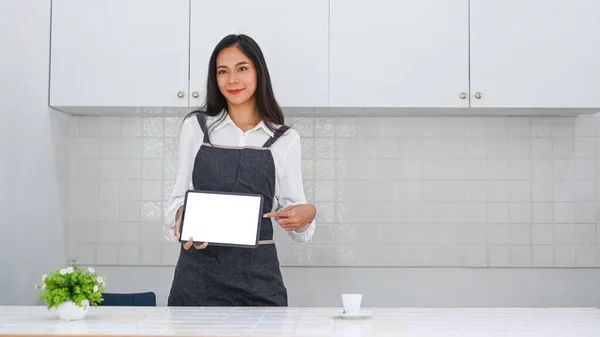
(232,276)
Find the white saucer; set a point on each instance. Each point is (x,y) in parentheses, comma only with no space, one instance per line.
(339,313)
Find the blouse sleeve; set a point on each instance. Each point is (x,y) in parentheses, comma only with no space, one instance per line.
(187,155)
(291,191)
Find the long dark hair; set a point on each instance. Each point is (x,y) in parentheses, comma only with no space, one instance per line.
(215,102)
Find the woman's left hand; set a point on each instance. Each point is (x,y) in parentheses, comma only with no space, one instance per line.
(294,217)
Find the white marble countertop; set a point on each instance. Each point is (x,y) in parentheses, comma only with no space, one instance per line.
(296,321)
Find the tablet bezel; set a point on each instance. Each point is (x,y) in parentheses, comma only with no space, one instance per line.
(224,244)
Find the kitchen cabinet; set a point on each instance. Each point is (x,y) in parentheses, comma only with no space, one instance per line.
(119,53)
(399,53)
(535,53)
(122,56)
(293,36)
(138,53)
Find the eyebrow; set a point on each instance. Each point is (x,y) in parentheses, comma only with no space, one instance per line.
(237,64)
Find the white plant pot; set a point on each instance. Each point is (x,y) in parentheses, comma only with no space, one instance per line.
(70,311)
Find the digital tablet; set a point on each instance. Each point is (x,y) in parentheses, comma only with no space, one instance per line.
(221,218)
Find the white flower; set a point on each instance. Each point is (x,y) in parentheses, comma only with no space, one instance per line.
(63,271)
(69,270)
(43,286)
(91,270)
(44,277)
(99,279)
(95,288)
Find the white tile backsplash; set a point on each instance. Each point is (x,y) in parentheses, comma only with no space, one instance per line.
(468,192)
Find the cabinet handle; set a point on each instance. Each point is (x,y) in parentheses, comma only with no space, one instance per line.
(195,94)
(180,94)
(478,95)
(463,95)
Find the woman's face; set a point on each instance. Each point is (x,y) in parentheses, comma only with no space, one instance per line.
(236,76)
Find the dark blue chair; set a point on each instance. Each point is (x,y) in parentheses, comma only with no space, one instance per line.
(147,299)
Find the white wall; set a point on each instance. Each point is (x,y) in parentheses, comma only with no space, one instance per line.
(408,192)
(34,152)
(510,204)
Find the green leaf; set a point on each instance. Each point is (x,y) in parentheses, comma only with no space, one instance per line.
(76,286)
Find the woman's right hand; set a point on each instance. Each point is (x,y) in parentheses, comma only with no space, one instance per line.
(190,242)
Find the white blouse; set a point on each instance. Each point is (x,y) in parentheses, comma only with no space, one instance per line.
(287,155)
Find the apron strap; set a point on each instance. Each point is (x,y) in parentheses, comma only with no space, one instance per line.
(202,121)
(276,136)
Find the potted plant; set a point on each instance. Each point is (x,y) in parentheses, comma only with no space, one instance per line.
(71,291)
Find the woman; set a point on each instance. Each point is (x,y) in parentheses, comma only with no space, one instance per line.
(238,143)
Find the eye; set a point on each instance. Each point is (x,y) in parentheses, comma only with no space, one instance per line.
(242,68)
(222,71)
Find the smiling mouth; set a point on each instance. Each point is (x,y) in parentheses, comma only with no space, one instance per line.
(235,92)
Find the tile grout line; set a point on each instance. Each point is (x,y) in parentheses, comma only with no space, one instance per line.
(531,207)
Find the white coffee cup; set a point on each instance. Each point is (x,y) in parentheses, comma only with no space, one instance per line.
(351,303)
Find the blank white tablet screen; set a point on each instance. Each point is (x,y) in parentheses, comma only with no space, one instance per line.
(221,218)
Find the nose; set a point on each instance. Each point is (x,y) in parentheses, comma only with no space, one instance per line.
(233,78)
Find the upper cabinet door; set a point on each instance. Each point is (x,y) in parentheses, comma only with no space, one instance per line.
(399,53)
(535,53)
(293,36)
(119,53)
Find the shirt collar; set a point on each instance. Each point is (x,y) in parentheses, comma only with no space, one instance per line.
(228,120)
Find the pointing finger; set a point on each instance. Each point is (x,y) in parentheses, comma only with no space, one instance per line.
(279,214)
(271,215)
